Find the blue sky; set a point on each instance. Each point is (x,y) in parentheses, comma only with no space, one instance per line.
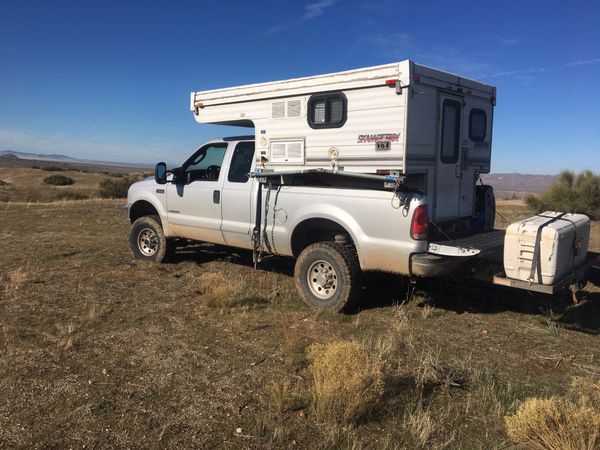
(110,80)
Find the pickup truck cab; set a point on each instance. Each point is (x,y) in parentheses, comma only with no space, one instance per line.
(334,230)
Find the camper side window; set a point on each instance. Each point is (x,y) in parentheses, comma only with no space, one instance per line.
(477,125)
(327,110)
(450,131)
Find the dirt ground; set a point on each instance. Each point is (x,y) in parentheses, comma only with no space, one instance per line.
(98,350)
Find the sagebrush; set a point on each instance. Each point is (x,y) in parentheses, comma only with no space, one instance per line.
(115,187)
(59,180)
(559,423)
(347,381)
(574,193)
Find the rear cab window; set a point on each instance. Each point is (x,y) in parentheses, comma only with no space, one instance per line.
(241,162)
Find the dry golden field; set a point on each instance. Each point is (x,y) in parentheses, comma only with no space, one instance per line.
(99,350)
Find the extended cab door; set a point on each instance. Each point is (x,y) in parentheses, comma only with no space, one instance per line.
(194,203)
(238,196)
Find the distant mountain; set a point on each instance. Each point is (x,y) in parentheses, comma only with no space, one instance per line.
(507,185)
(40,156)
(14,155)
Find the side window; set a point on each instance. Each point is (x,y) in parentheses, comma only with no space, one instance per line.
(205,164)
(241,162)
(450,131)
(477,125)
(327,110)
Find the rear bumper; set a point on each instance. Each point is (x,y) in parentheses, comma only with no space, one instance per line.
(489,246)
(427,265)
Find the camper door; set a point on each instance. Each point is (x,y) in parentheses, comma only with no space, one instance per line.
(448,161)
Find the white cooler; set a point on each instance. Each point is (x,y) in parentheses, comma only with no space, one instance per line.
(563,244)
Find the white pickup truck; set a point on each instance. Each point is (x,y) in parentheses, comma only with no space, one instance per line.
(334,229)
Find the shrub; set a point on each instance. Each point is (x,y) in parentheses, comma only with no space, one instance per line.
(559,423)
(53,169)
(4,183)
(115,188)
(59,180)
(570,193)
(70,195)
(347,381)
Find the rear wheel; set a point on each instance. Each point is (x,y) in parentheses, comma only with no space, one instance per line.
(147,240)
(328,276)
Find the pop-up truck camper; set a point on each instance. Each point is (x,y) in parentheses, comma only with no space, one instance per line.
(431,127)
(373,169)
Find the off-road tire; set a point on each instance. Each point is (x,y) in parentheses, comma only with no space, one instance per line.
(344,285)
(147,240)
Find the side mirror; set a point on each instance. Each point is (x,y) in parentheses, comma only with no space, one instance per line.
(160,173)
(179,176)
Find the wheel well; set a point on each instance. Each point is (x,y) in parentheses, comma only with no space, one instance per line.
(141,208)
(311,231)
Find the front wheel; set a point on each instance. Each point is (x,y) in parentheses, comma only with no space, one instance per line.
(328,276)
(147,240)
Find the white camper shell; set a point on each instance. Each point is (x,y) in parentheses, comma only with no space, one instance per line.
(431,127)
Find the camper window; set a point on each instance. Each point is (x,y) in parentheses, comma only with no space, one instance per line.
(327,110)
(477,125)
(450,131)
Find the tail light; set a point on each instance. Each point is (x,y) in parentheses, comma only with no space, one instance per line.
(419,225)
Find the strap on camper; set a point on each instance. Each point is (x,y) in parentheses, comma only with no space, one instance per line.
(256,234)
(536,264)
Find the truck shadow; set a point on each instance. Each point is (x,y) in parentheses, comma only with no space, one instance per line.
(205,253)
(486,299)
(382,290)
(385,290)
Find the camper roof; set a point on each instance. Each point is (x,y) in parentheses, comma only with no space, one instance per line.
(405,71)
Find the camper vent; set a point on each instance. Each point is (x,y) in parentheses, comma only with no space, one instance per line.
(278,110)
(293,108)
(287,152)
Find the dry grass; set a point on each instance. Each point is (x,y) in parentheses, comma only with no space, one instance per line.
(294,345)
(14,281)
(427,311)
(285,396)
(426,430)
(430,371)
(215,290)
(66,336)
(184,374)
(559,423)
(347,381)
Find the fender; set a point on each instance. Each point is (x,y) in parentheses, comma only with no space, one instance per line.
(332,213)
(155,201)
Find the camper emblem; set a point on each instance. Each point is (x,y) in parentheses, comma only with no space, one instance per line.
(368,138)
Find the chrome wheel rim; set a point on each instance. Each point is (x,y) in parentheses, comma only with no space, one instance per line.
(322,279)
(147,242)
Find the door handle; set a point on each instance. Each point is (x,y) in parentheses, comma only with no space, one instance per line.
(216,196)
(457,171)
